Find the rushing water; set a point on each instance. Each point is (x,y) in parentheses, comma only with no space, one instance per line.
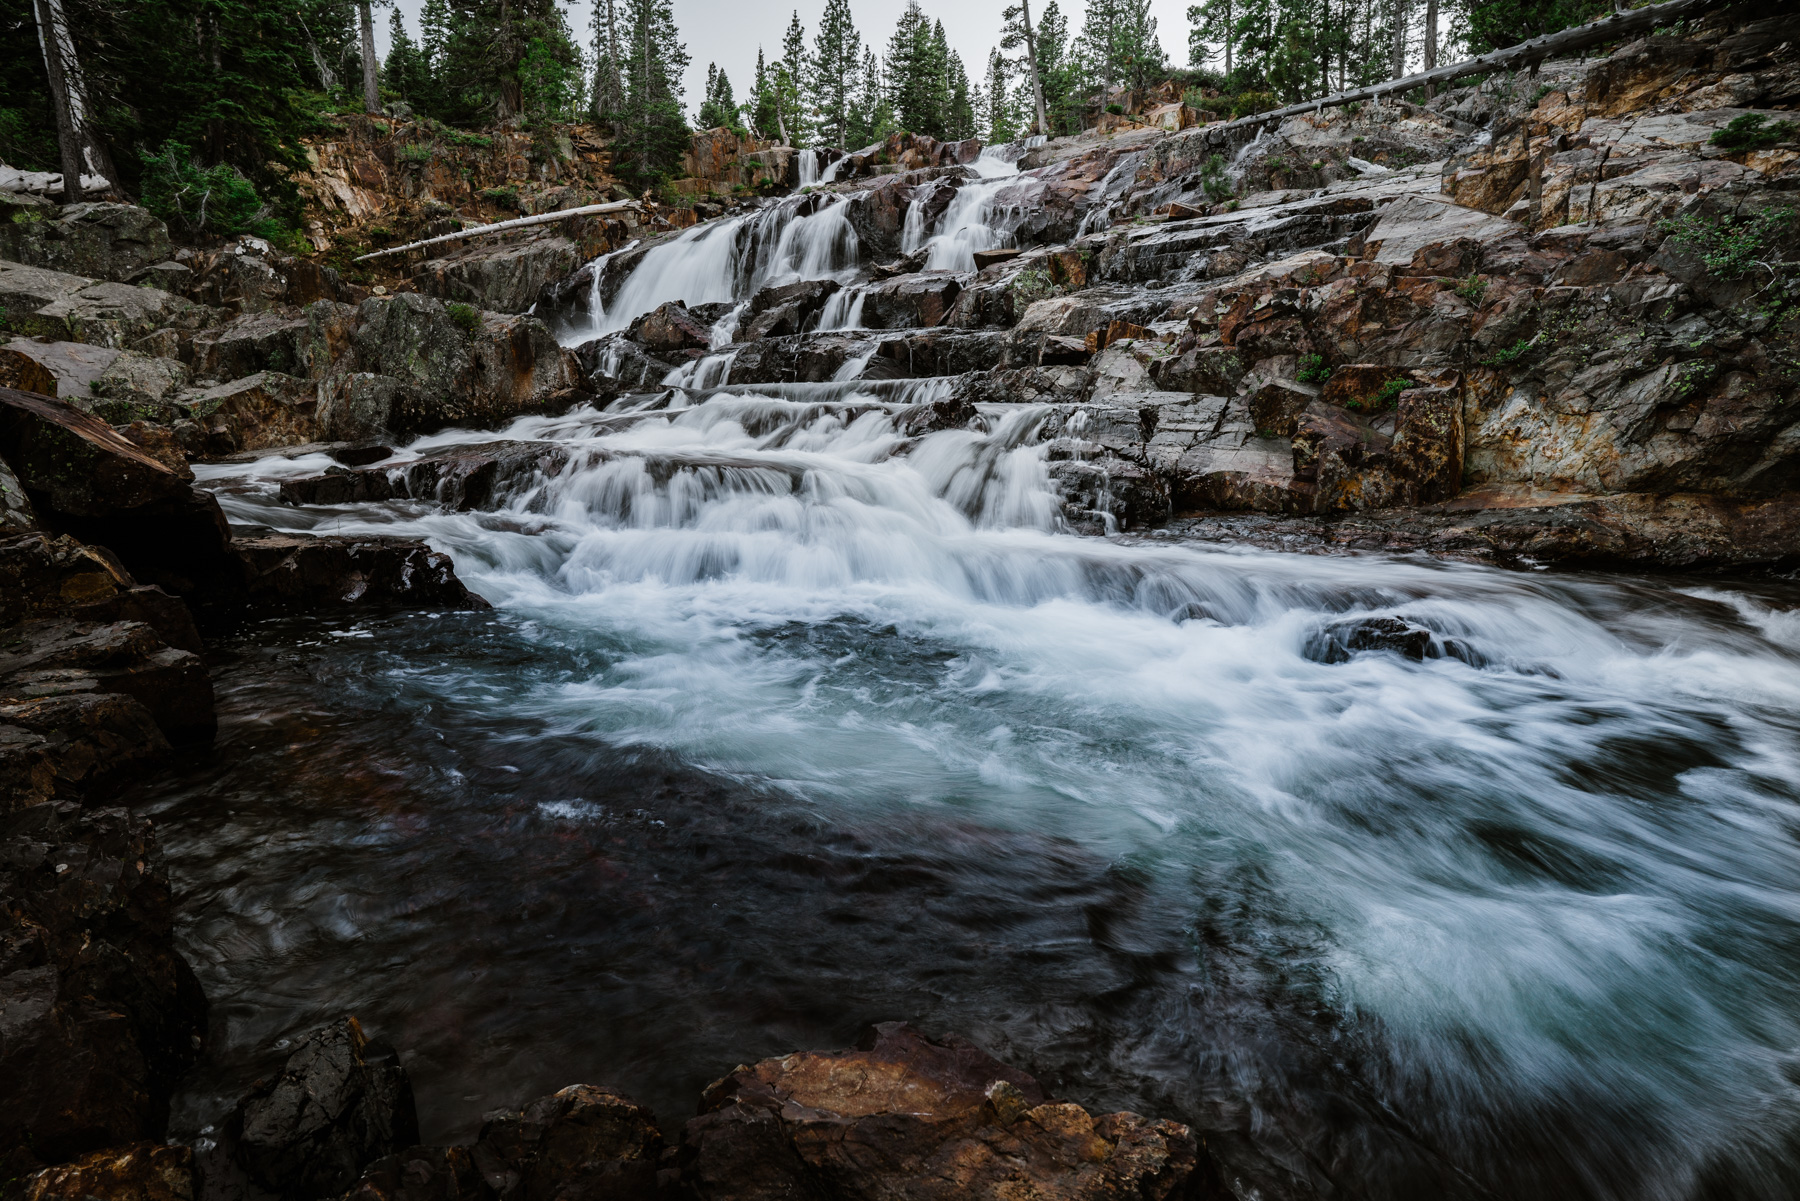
(783,723)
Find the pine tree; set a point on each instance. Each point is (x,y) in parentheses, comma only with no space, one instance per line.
(874,116)
(719,107)
(407,70)
(837,53)
(761,107)
(793,84)
(655,134)
(1016,33)
(1001,118)
(1119,43)
(959,103)
(914,79)
(609,80)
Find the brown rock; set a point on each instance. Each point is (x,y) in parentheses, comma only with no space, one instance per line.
(580,1141)
(671,328)
(57,657)
(138,1172)
(259,412)
(907,1118)
(910,301)
(987,258)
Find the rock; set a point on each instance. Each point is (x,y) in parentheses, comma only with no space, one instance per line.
(101,1014)
(786,309)
(495,370)
(136,387)
(248,275)
(460,478)
(903,1116)
(66,370)
(294,572)
(422,1174)
(580,1141)
(137,1172)
(168,275)
(364,405)
(500,276)
(988,258)
(99,240)
(258,342)
(49,304)
(615,364)
(878,217)
(57,657)
(670,329)
(63,747)
(44,576)
(16,513)
(910,301)
(951,414)
(260,412)
(84,478)
(340,1102)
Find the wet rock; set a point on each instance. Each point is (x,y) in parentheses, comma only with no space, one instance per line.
(670,329)
(500,276)
(950,414)
(64,747)
(16,513)
(910,301)
(250,344)
(988,258)
(580,1141)
(340,1102)
(43,576)
(136,1172)
(786,309)
(615,364)
(101,1015)
(878,216)
(459,478)
(362,405)
(1109,494)
(294,572)
(423,1174)
(99,240)
(1338,642)
(904,1116)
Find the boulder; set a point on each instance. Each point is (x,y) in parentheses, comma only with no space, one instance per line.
(101,1015)
(43,576)
(339,1103)
(786,309)
(910,301)
(363,405)
(260,412)
(500,276)
(56,657)
(670,329)
(16,513)
(136,387)
(99,240)
(296,572)
(64,747)
(459,478)
(254,342)
(136,1172)
(86,479)
(49,304)
(906,1117)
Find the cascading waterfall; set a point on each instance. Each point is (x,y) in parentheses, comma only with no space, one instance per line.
(1518,912)
(972,221)
(809,167)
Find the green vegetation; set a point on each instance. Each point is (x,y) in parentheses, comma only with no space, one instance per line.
(1543,91)
(1117,110)
(1731,246)
(1472,287)
(1313,370)
(417,152)
(1752,132)
(207,200)
(1213,180)
(465,315)
(1510,354)
(1389,395)
(506,198)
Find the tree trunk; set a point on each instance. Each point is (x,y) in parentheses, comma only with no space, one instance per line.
(1431,32)
(371,80)
(1037,79)
(68,136)
(1399,38)
(1228,37)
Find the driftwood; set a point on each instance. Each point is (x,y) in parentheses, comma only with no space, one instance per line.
(480,231)
(1610,29)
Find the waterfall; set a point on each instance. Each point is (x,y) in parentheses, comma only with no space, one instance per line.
(596,301)
(732,259)
(843,310)
(973,221)
(809,167)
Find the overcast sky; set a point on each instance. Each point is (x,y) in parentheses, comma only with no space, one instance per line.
(727,32)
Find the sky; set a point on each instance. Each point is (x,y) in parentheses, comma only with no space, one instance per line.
(727,32)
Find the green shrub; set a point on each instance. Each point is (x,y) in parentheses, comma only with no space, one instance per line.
(1543,91)
(417,152)
(478,140)
(1730,246)
(1751,132)
(1117,110)
(506,198)
(1213,180)
(1389,396)
(1313,370)
(1246,104)
(196,199)
(1471,288)
(1275,163)
(1511,354)
(1318,164)
(465,315)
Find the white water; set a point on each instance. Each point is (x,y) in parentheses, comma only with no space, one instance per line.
(809,167)
(974,219)
(1557,882)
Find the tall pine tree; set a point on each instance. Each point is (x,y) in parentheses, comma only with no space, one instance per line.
(655,134)
(837,55)
(793,86)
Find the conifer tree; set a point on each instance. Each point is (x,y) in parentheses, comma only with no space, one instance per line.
(1002,123)
(655,134)
(761,107)
(793,85)
(719,107)
(837,54)
(609,78)
(407,69)
(959,103)
(874,114)
(911,81)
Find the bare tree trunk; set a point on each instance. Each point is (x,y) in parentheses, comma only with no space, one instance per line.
(371,80)
(1228,37)
(1431,32)
(1037,80)
(68,135)
(1400,15)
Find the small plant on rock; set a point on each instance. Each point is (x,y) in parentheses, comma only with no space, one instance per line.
(417,152)
(1511,354)
(465,315)
(1752,131)
(1313,370)
(1213,180)
(1389,396)
(1117,110)
(1472,288)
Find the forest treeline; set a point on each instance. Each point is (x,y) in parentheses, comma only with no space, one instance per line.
(158,94)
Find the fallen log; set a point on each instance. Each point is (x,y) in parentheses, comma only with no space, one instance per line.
(1609,29)
(480,231)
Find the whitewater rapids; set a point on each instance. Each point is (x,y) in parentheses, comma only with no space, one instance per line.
(1518,918)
